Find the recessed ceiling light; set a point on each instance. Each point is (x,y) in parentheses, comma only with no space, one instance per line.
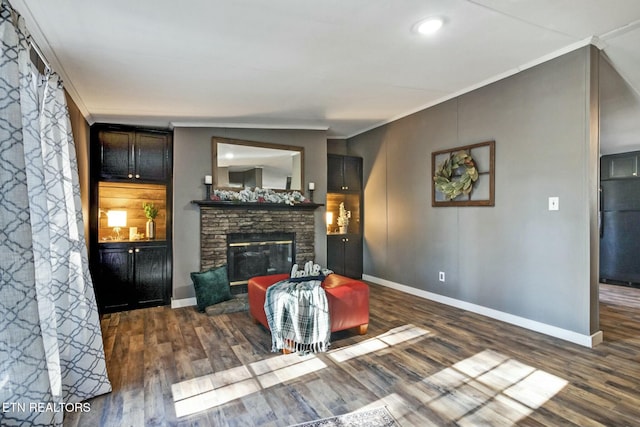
(429,26)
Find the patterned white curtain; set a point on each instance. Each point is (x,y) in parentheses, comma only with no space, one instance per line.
(51,352)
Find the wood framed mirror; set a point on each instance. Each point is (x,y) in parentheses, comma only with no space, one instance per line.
(237,164)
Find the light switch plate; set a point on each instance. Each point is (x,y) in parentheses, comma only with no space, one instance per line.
(554,203)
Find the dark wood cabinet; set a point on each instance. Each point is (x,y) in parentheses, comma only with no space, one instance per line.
(112,279)
(344,246)
(623,165)
(344,254)
(132,155)
(116,153)
(151,156)
(130,166)
(344,173)
(131,275)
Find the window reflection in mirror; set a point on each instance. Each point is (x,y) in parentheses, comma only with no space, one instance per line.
(240,164)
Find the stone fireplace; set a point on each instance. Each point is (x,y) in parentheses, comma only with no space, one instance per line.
(218,220)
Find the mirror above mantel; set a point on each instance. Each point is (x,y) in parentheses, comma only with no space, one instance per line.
(239,164)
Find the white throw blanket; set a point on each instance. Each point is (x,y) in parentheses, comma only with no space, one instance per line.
(298,316)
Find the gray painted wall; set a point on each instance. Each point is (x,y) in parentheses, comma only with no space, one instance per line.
(192,161)
(516,257)
(619,112)
(337,146)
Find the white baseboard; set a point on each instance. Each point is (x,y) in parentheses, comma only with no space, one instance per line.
(184,302)
(554,331)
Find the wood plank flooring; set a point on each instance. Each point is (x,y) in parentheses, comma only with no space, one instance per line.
(430,364)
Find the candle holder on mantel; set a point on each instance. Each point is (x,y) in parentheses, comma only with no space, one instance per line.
(208,181)
(312,187)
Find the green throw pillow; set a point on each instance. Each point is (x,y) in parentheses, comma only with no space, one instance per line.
(211,286)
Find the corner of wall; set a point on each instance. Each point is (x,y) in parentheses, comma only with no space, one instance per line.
(337,146)
(593,171)
(80,130)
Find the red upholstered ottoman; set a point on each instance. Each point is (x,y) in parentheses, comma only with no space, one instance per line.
(348,300)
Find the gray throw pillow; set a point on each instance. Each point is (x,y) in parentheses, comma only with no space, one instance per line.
(212,287)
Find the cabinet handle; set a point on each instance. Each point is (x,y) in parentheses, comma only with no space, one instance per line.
(130,251)
(130,175)
(137,250)
(137,176)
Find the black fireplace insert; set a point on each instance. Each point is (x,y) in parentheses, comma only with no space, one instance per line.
(258,254)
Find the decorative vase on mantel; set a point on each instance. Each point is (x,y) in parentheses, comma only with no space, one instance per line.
(343,229)
(151,229)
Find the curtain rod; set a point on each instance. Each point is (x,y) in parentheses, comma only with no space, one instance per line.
(38,52)
(15,16)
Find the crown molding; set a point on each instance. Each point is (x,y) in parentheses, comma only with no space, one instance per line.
(213,124)
(562,51)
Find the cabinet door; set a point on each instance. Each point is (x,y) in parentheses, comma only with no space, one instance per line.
(619,166)
(344,255)
(353,256)
(151,156)
(352,173)
(619,247)
(151,276)
(116,154)
(344,173)
(113,281)
(335,254)
(623,167)
(334,173)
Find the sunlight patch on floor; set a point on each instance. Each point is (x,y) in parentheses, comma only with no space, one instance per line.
(393,337)
(397,405)
(306,365)
(186,389)
(209,391)
(212,398)
(490,388)
(215,389)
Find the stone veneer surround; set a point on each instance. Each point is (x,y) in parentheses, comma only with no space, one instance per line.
(217,221)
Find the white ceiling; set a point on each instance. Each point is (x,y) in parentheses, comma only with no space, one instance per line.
(342,65)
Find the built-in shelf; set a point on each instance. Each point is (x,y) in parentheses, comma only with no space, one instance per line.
(107,240)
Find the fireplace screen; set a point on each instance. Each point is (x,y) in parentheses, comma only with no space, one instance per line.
(258,254)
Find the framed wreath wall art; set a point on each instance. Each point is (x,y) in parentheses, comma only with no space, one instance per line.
(464,176)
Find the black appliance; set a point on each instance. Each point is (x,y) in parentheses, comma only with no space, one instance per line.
(620,219)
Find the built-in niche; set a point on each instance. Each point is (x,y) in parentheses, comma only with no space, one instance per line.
(351,205)
(125,200)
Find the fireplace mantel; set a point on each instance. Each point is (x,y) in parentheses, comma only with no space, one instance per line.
(256,205)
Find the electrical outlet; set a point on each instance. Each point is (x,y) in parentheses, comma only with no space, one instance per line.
(441,276)
(554,203)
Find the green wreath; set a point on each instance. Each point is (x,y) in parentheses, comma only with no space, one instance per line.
(444,181)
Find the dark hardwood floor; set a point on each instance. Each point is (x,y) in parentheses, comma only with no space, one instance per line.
(430,364)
